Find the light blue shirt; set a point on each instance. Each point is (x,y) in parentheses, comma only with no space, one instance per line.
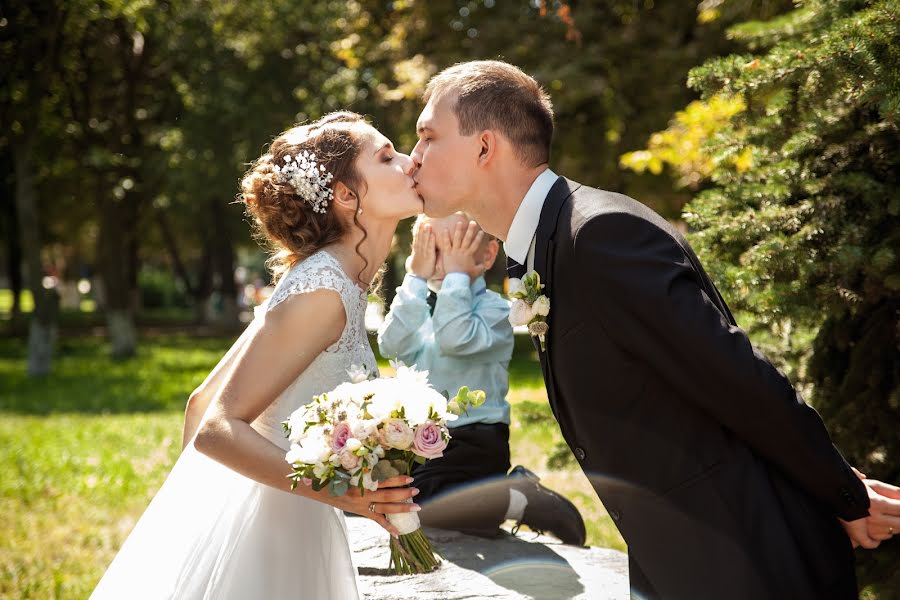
(468,341)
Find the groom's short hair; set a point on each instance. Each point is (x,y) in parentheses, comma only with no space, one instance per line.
(492,94)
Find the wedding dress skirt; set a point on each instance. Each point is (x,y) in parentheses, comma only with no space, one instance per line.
(213,534)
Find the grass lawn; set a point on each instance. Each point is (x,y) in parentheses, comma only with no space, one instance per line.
(83,451)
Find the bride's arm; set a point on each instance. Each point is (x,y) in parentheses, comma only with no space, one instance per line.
(289,338)
(199,400)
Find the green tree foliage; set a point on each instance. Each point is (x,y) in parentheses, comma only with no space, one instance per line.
(805,237)
(610,83)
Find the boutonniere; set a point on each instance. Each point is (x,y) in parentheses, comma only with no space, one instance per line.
(530,307)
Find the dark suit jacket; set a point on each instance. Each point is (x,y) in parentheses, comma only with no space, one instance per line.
(722,481)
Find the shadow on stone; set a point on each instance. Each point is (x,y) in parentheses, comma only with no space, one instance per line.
(528,567)
(531,569)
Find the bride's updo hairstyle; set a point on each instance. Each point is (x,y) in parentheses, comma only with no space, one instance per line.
(285,220)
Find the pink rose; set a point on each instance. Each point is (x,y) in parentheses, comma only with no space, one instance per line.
(348,459)
(340,436)
(429,440)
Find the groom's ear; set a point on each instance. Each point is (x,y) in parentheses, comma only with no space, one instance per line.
(487,147)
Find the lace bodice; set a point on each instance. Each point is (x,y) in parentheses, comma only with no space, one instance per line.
(321,271)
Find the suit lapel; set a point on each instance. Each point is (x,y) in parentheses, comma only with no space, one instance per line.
(544,241)
(557,196)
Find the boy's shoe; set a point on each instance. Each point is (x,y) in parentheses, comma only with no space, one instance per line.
(547,511)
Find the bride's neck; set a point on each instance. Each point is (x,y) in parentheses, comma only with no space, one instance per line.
(375,247)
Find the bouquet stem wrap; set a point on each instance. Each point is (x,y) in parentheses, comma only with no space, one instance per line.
(412,551)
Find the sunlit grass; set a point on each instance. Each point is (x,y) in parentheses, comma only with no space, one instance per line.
(83,451)
(72,489)
(86,379)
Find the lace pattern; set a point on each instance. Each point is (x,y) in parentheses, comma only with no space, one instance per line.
(319,271)
(322,271)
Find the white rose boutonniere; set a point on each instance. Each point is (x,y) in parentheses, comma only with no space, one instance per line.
(530,307)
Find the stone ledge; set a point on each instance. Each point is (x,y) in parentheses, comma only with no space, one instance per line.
(527,567)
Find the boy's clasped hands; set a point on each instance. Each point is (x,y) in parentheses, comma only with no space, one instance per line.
(448,248)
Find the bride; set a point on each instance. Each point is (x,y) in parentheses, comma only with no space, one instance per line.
(225,524)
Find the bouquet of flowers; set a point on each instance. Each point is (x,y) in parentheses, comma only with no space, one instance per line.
(368,430)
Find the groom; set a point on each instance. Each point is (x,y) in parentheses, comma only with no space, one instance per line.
(722,481)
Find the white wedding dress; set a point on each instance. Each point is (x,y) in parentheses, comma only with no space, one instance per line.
(211,533)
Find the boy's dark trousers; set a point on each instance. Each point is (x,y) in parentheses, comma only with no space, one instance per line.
(467,489)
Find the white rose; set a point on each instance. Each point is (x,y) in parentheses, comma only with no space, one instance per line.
(397,434)
(516,286)
(353,444)
(349,460)
(519,313)
(541,306)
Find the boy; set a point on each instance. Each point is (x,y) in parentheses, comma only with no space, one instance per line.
(444,319)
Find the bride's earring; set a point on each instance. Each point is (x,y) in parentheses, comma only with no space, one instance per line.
(359,211)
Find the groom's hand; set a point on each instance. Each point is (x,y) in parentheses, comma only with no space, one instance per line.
(422,259)
(461,249)
(883,521)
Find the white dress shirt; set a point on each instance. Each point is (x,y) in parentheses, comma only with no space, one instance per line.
(519,244)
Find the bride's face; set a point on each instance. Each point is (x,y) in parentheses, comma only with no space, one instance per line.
(389,192)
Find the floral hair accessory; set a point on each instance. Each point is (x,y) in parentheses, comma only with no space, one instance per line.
(308,178)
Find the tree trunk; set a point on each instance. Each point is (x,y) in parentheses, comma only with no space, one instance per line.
(229,316)
(174,254)
(43,330)
(118,219)
(13,254)
(203,292)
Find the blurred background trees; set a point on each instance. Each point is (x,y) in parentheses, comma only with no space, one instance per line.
(126,125)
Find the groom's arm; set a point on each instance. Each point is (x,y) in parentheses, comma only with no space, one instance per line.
(649,300)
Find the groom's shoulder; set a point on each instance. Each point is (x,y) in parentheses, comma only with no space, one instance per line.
(590,204)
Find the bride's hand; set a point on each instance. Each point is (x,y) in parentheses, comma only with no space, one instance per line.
(390,497)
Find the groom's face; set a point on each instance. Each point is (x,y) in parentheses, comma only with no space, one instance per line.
(445,159)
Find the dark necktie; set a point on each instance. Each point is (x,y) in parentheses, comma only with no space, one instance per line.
(514,269)
(431,299)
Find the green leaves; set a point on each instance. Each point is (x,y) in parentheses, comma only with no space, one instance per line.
(339,483)
(465,399)
(385,469)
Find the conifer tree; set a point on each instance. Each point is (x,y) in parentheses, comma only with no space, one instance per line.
(805,236)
